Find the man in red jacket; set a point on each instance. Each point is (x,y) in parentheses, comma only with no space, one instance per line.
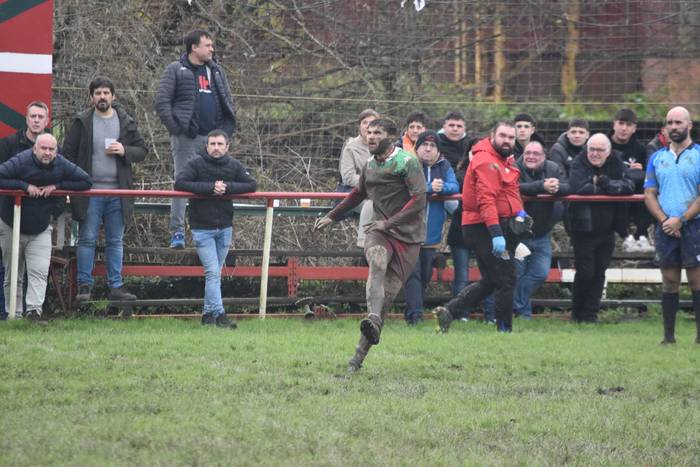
(490,204)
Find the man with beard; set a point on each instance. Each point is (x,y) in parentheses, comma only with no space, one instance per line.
(490,196)
(394,181)
(569,144)
(104,141)
(671,191)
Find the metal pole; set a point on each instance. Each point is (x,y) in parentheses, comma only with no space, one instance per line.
(267,245)
(14,263)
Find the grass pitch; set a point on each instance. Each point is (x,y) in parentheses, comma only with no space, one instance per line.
(275,392)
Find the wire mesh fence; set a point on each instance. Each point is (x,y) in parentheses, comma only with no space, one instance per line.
(302,70)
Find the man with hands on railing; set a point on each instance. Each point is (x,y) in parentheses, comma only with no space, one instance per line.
(592,225)
(38,171)
(214,173)
(394,181)
(671,191)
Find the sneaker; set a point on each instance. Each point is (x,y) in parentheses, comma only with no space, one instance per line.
(177,241)
(490,320)
(444,319)
(644,245)
(208,319)
(120,293)
(630,244)
(84,293)
(223,321)
(370,330)
(33,315)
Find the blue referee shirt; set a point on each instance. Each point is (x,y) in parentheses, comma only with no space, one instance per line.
(676,177)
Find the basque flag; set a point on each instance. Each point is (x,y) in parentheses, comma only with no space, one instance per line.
(26,45)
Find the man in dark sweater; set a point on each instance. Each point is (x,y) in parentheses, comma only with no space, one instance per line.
(592,226)
(193,98)
(634,156)
(104,141)
(393,179)
(214,173)
(538,176)
(38,171)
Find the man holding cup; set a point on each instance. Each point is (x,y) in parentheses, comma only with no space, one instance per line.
(104,141)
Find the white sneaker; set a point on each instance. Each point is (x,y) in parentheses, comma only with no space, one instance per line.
(644,245)
(630,244)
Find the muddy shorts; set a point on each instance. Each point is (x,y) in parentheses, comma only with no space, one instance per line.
(681,252)
(402,256)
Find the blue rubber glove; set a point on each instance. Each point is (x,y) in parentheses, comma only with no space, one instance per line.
(499,245)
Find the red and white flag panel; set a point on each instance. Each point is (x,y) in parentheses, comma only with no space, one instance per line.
(26,47)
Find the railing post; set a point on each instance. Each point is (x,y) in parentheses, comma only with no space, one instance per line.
(267,245)
(14,263)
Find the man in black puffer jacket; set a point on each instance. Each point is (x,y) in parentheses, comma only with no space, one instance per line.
(214,173)
(193,98)
(592,225)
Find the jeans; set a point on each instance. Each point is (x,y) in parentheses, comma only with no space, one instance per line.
(415,286)
(107,211)
(35,256)
(212,247)
(184,150)
(531,273)
(460,263)
(592,253)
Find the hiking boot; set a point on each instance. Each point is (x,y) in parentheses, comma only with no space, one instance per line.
(120,293)
(208,319)
(33,315)
(370,330)
(443,318)
(223,321)
(84,293)
(177,241)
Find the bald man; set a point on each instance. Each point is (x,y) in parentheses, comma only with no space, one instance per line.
(671,192)
(592,225)
(38,172)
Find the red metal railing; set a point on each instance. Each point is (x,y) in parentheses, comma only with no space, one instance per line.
(268,197)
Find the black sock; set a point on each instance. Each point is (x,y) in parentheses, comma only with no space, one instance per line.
(669,308)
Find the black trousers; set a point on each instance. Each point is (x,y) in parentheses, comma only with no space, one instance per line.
(497,275)
(592,253)
(641,218)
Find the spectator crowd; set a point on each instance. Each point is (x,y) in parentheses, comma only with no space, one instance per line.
(396,182)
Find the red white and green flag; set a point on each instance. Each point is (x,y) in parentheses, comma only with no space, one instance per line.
(26,47)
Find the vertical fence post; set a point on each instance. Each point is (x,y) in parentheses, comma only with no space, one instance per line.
(267,245)
(14,263)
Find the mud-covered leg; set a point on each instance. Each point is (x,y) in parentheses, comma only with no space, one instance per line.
(378,260)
